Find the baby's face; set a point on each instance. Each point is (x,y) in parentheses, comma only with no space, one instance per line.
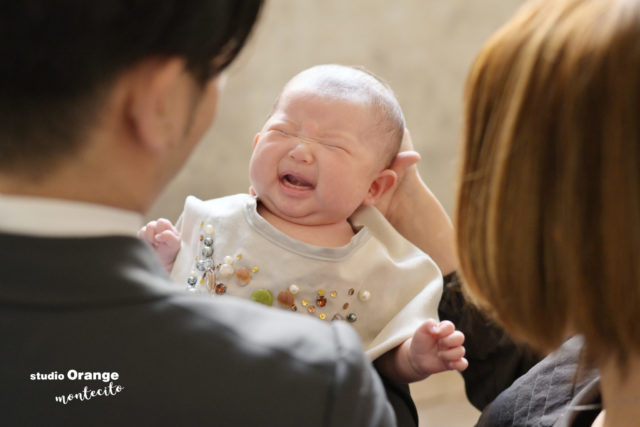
(314,160)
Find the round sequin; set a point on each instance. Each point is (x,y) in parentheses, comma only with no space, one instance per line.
(334,294)
(209,230)
(345,306)
(352,317)
(311,309)
(305,303)
(255,269)
(321,301)
(322,316)
(262,296)
(351,291)
(364,295)
(228,260)
(226,270)
(244,275)
(207,251)
(321,293)
(286,298)
(221,288)
(294,289)
(207,241)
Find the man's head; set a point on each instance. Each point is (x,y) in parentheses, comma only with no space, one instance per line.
(61,59)
(326,146)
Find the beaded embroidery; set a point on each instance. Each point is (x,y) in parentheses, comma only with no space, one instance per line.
(231,273)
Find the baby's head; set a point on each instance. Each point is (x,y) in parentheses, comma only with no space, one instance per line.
(327,145)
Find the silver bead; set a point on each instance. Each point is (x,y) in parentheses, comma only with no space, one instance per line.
(192,280)
(204,264)
(207,251)
(208,241)
(352,317)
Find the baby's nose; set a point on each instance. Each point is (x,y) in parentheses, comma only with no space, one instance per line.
(301,152)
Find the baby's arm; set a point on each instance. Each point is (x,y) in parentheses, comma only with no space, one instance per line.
(164,239)
(434,347)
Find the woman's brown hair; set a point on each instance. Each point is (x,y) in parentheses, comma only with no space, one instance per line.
(548,209)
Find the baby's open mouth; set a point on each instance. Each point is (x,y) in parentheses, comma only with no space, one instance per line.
(295,181)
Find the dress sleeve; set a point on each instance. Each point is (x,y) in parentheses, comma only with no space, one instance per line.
(495,360)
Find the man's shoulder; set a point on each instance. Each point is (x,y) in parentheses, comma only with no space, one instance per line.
(234,351)
(258,330)
(189,356)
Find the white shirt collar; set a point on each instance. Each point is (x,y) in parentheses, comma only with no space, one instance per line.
(38,216)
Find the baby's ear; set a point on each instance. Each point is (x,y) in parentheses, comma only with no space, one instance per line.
(255,140)
(380,185)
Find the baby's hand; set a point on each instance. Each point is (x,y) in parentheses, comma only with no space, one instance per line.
(437,347)
(164,239)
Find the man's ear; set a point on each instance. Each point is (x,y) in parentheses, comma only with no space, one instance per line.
(383,182)
(159,105)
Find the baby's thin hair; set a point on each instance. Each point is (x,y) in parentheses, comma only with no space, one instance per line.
(380,94)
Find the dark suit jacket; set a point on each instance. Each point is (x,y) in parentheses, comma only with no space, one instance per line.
(105,305)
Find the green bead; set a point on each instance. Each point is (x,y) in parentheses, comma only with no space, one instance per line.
(262,296)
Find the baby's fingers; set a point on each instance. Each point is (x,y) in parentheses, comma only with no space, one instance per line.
(459,365)
(163,224)
(452,354)
(455,339)
(445,328)
(169,237)
(148,232)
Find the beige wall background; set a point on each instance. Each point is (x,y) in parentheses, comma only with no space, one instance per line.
(423,48)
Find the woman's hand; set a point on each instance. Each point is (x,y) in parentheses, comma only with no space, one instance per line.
(406,171)
(414,211)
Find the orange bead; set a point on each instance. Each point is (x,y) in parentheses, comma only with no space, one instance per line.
(243,274)
(286,298)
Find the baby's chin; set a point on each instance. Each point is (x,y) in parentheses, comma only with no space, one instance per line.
(291,214)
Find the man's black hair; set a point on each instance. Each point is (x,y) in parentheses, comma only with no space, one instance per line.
(59,56)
